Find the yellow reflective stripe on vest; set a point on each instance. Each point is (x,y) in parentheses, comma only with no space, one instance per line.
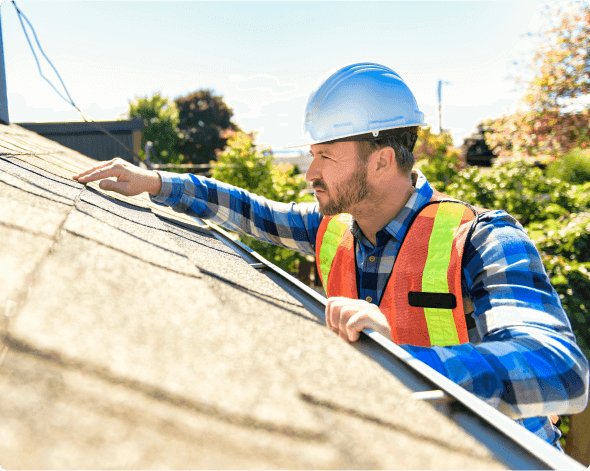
(440,322)
(330,242)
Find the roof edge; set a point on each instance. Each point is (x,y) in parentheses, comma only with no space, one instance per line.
(83,127)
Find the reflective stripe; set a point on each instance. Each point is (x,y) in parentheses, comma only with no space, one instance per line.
(441,324)
(337,226)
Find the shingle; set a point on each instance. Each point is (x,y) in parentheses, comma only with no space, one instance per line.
(29,212)
(141,341)
(19,174)
(128,237)
(19,258)
(59,417)
(153,326)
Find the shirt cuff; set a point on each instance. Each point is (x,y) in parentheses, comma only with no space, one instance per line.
(171,190)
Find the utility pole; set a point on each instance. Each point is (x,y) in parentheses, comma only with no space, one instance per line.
(3,93)
(440,84)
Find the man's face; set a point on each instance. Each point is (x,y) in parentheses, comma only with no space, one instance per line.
(338,177)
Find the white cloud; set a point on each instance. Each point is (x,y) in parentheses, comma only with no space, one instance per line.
(264,83)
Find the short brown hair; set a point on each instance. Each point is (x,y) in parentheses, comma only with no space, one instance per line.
(403,156)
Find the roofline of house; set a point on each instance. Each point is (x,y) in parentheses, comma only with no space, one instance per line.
(82,127)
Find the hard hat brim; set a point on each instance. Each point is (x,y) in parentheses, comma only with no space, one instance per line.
(307,140)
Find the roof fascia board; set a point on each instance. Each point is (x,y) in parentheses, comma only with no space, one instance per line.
(81,127)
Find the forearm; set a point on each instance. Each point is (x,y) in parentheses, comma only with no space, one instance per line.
(290,225)
(523,371)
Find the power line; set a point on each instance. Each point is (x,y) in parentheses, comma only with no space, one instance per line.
(22,16)
(69,100)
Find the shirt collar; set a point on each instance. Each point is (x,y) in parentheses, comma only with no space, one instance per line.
(398,227)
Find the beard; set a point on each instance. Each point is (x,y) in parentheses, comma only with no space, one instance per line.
(346,194)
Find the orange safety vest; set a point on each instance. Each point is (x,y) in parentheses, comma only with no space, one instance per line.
(422,301)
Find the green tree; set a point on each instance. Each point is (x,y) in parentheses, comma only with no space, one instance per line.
(243,165)
(204,119)
(553,115)
(160,120)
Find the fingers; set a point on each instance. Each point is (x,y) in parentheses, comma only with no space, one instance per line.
(348,317)
(357,322)
(90,170)
(96,168)
(339,311)
(100,175)
(119,187)
(131,180)
(333,308)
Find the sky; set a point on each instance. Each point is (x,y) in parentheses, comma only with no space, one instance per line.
(264,58)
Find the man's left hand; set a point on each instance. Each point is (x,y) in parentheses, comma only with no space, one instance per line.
(347,317)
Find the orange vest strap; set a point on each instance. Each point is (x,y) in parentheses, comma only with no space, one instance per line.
(330,234)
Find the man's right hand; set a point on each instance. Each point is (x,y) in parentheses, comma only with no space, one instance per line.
(130,180)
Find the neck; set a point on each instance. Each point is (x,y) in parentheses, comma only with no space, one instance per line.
(381,207)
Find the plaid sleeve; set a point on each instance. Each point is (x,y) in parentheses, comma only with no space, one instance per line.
(290,225)
(528,363)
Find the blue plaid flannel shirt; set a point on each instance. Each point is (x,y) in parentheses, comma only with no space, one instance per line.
(522,359)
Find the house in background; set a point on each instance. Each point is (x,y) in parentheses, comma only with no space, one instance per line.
(295,157)
(89,140)
(476,151)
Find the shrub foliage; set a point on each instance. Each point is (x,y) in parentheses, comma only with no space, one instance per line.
(243,165)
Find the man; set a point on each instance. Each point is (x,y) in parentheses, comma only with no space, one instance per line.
(463,290)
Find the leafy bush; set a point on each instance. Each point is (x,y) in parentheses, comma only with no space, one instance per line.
(243,165)
(430,146)
(436,157)
(567,237)
(521,190)
(574,167)
(565,248)
(440,171)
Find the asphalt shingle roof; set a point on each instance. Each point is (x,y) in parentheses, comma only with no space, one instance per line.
(137,340)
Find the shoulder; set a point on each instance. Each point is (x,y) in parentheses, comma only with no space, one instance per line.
(496,220)
(497,229)
(499,240)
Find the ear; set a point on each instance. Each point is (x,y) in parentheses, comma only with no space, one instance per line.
(384,160)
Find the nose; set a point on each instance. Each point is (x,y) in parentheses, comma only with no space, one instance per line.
(313,172)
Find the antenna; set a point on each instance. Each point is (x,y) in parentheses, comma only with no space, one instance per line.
(440,84)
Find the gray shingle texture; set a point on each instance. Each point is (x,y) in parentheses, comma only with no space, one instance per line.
(136,340)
